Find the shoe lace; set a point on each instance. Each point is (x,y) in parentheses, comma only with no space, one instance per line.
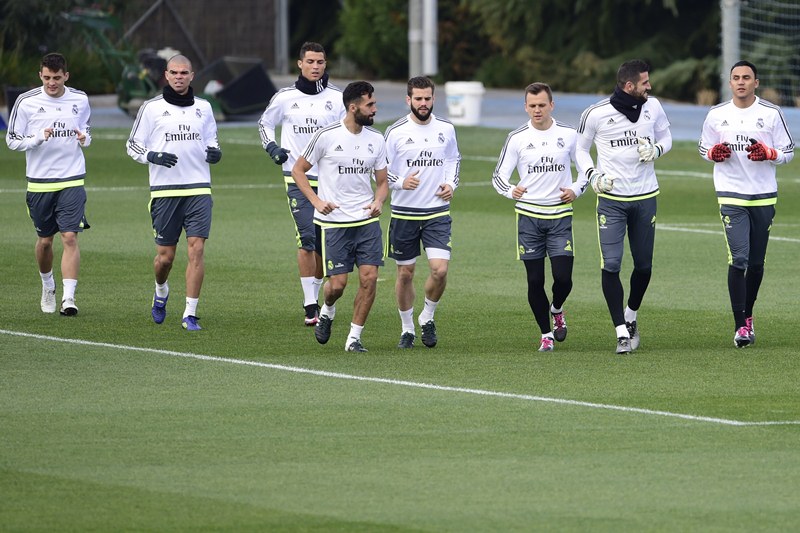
(558,320)
(547,343)
(743,332)
(749,323)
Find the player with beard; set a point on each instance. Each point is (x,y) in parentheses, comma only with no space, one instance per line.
(309,104)
(423,147)
(346,154)
(630,130)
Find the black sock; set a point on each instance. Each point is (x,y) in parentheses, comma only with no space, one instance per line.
(737,288)
(613,292)
(537,298)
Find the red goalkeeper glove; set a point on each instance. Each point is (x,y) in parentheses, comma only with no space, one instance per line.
(719,152)
(758,151)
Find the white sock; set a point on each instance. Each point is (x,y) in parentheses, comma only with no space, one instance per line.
(48,281)
(622,331)
(310,292)
(407,318)
(427,312)
(162,291)
(630,314)
(328,311)
(191,307)
(355,333)
(69,288)
(548,336)
(554,311)
(317,287)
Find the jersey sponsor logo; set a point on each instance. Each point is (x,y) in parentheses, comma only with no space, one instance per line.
(724,123)
(41,110)
(546,164)
(184,133)
(628,139)
(359,166)
(425,159)
(338,148)
(530,147)
(166,114)
(295,106)
(410,141)
(611,121)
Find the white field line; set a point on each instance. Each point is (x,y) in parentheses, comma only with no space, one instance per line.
(403,383)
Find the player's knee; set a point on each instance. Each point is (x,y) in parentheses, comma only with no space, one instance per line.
(739,263)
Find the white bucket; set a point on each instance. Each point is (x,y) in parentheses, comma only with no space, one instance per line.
(464,102)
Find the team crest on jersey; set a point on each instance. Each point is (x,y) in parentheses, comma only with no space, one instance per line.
(560,142)
(74,109)
(441,138)
(370,148)
(647,114)
(760,123)
(328,105)
(198,113)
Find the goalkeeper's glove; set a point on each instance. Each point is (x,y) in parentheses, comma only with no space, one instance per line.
(213,154)
(719,152)
(600,181)
(758,151)
(165,159)
(278,154)
(648,151)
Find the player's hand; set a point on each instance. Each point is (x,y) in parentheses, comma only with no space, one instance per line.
(445,192)
(567,195)
(47,133)
(518,192)
(213,154)
(324,207)
(648,151)
(278,154)
(719,152)
(375,209)
(758,151)
(80,136)
(600,181)
(165,159)
(411,182)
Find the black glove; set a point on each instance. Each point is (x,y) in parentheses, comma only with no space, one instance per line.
(278,154)
(165,159)
(719,152)
(213,154)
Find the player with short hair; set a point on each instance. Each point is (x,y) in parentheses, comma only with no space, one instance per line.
(51,125)
(424,147)
(630,130)
(746,138)
(301,109)
(541,151)
(176,134)
(346,154)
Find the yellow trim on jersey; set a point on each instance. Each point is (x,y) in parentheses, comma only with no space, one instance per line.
(628,198)
(727,200)
(333,225)
(175,193)
(421,217)
(53,186)
(544,217)
(288,179)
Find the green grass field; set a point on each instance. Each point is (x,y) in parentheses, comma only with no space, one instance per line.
(109,422)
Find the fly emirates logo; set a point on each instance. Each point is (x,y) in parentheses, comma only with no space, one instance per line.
(60,129)
(628,139)
(359,166)
(546,164)
(310,126)
(425,159)
(185,133)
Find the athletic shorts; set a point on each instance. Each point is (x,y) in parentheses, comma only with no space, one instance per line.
(58,211)
(614,219)
(171,214)
(540,237)
(407,237)
(352,245)
(306,232)
(746,233)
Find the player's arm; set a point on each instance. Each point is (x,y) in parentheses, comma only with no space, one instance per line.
(711,147)
(600,181)
(15,136)
(581,181)
(299,170)
(782,149)
(137,143)
(381,192)
(506,163)
(272,116)
(83,130)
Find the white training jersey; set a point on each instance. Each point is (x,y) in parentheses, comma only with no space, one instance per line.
(738,180)
(57,163)
(300,115)
(345,163)
(431,149)
(614,136)
(183,131)
(543,160)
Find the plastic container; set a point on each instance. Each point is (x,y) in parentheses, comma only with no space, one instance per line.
(464,102)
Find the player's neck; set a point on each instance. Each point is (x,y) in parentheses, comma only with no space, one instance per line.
(351,125)
(744,103)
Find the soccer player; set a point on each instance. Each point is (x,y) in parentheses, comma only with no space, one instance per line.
(301,109)
(746,138)
(347,153)
(176,135)
(541,150)
(424,147)
(630,130)
(51,125)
